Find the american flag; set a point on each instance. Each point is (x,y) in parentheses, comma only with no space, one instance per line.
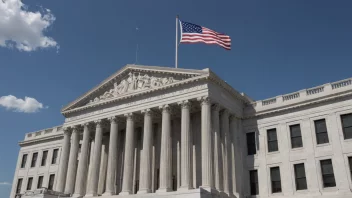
(192,33)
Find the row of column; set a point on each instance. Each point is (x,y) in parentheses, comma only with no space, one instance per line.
(71,183)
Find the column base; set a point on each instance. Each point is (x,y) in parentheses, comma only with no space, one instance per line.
(91,195)
(162,190)
(125,193)
(144,191)
(77,196)
(107,194)
(184,188)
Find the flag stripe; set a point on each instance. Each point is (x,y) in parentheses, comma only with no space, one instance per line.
(192,33)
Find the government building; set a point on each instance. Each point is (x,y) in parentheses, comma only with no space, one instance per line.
(166,132)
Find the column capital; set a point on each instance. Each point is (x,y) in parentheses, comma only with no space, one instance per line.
(147,112)
(224,112)
(75,129)
(185,104)
(114,119)
(204,100)
(98,123)
(67,130)
(130,116)
(215,107)
(165,108)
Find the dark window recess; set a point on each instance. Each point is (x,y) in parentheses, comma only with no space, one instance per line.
(350,163)
(251,148)
(275,179)
(272,140)
(19,186)
(327,172)
(29,183)
(321,131)
(24,160)
(44,157)
(253,180)
(34,159)
(347,125)
(296,136)
(300,177)
(55,154)
(51,182)
(40,182)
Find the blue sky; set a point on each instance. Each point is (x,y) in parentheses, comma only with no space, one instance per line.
(277,47)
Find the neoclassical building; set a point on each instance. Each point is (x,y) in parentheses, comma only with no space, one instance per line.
(164,132)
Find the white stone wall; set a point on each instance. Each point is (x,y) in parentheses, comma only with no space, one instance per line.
(38,170)
(338,150)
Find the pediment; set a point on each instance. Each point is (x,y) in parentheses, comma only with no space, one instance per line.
(132,80)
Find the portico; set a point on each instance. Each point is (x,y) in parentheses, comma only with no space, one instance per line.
(165,130)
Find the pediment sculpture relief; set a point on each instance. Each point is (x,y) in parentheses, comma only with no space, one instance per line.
(134,82)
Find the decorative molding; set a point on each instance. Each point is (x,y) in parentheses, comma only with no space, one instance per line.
(185,104)
(205,100)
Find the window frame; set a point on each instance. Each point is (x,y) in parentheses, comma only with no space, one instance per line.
(41,181)
(300,137)
(53,182)
(296,178)
(55,157)
(256,183)
(269,142)
(251,144)
(322,174)
(325,132)
(19,185)
(23,165)
(342,126)
(271,180)
(36,159)
(46,158)
(29,187)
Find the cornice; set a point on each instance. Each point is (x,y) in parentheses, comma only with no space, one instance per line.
(39,140)
(298,105)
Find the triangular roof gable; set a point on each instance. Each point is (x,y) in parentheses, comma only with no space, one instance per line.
(115,81)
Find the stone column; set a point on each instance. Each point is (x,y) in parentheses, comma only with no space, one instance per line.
(72,163)
(185,145)
(83,163)
(94,176)
(233,130)
(224,119)
(206,143)
(218,176)
(127,183)
(146,158)
(103,166)
(112,160)
(64,161)
(166,151)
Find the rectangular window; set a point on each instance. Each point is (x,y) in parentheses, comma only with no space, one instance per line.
(51,182)
(350,163)
(253,180)
(321,131)
(34,159)
(275,179)
(29,183)
(272,140)
(327,172)
(44,157)
(296,136)
(300,177)
(347,125)
(55,154)
(24,160)
(19,186)
(40,182)
(251,148)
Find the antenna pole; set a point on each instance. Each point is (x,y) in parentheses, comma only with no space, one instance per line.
(176,53)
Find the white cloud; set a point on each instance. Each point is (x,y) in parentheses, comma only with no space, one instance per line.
(28,105)
(4,183)
(23,29)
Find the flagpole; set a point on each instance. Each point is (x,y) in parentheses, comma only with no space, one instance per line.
(176,52)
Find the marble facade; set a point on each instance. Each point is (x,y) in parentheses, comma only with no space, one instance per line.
(151,131)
